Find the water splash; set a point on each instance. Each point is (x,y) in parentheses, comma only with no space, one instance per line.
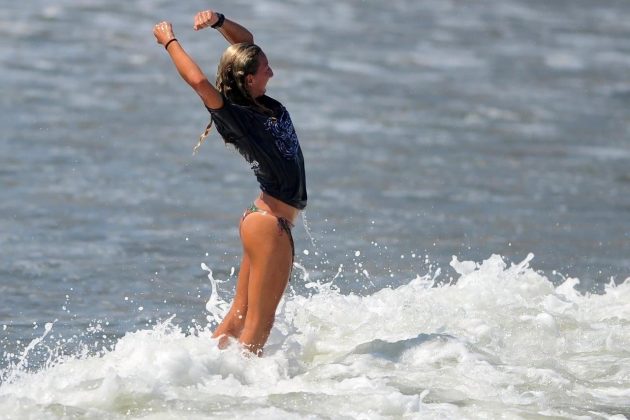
(308,230)
(22,364)
(216,306)
(500,340)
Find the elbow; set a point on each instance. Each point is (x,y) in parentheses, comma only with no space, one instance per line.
(198,82)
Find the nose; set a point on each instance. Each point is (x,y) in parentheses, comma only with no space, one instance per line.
(270,73)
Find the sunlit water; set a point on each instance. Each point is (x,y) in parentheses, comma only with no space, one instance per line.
(430,129)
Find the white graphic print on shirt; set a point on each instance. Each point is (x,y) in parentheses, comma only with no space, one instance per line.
(284,134)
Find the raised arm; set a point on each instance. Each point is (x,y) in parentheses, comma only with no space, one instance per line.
(231,31)
(186,66)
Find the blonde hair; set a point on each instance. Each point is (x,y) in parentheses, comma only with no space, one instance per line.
(237,62)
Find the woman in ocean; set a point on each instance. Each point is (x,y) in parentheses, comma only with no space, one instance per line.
(260,128)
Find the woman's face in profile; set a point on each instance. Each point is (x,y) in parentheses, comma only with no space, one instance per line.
(257,82)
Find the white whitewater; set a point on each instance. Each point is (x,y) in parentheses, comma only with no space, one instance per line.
(500,341)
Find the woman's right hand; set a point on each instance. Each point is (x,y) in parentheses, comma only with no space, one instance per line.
(163,32)
(205,19)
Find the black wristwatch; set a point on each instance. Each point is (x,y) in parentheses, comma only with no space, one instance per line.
(219,22)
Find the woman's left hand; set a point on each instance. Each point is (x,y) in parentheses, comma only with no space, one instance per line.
(205,19)
(163,32)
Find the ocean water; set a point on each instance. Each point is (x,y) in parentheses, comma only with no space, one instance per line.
(466,248)
(501,341)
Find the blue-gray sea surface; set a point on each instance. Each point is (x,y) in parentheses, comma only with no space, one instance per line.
(430,130)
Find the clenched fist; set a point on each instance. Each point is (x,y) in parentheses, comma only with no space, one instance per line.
(163,32)
(205,19)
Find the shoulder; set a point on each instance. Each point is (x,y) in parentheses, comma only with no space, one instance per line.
(231,113)
(227,106)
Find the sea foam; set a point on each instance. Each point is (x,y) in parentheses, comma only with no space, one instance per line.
(499,340)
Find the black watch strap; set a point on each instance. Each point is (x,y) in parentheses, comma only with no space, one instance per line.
(219,22)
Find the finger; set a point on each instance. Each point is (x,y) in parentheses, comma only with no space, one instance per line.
(198,21)
(203,21)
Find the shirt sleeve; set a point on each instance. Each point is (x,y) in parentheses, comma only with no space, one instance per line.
(233,122)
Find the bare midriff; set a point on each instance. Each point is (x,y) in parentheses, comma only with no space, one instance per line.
(276,207)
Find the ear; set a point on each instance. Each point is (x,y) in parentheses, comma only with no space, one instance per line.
(249,79)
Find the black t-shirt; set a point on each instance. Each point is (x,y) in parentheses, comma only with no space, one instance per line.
(270,144)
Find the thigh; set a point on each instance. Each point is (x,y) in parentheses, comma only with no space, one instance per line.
(270,255)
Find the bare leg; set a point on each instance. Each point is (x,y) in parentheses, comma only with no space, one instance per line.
(233,323)
(270,256)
